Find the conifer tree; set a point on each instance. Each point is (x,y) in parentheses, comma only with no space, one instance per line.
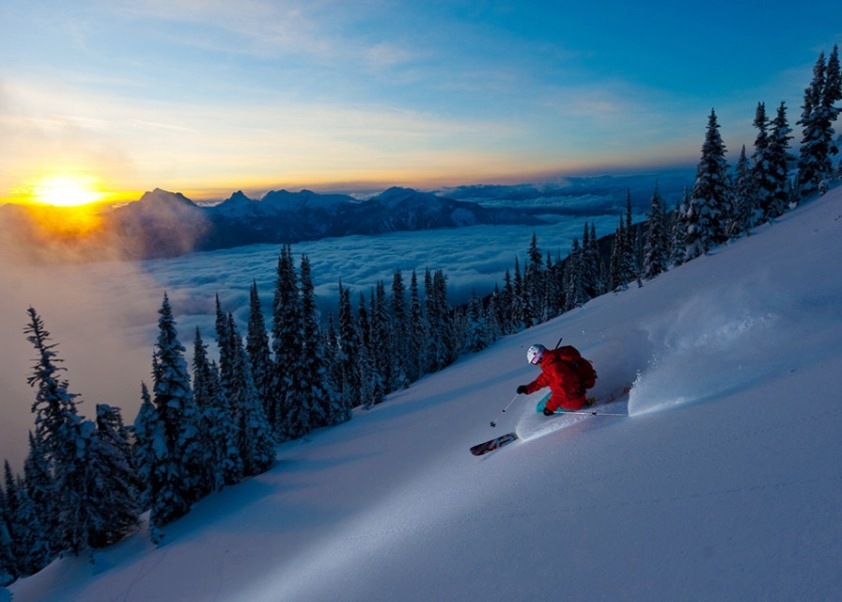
(576,296)
(615,267)
(207,399)
(819,111)
(39,489)
(30,542)
(175,479)
(260,352)
(63,439)
(13,531)
(226,428)
(399,334)
(554,293)
(115,487)
(623,269)
(8,562)
(591,273)
(763,183)
(656,250)
(477,333)
(533,284)
(349,344)
(779,159)
(445,332)
(417,335)
(255,443)
(680,227)
(310,399)
(518,299)
(505,305)
(147,431)
(379,347)
(340,410)
(286,339)
(711,200)
(744,198)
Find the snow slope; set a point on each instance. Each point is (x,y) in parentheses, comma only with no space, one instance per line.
(724,484)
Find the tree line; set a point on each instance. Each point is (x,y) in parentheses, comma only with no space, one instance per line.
(202,427)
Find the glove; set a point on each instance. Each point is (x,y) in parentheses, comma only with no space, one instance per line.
(521,390)
(548,412)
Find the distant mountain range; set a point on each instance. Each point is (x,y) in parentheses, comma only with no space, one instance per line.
(167,224)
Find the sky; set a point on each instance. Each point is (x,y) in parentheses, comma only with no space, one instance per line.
(207,97)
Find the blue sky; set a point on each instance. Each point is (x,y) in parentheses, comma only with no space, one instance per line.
(210,96)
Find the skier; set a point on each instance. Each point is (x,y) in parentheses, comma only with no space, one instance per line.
(559,373)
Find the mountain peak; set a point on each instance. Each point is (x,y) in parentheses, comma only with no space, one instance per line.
(160,196)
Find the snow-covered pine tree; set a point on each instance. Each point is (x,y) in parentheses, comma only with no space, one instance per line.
(615,277)
(341,409)
(31,541)
(477,335)
(226,422)
(555,287)
(763,183)
(680,226)
(370,388)
(380,325)
(711,199)
(12,530)
(349,344)
(313,401)
(370,325)
(286,339)
(39,489)
(260,352)
(213,423)
(813,155)
(148,439)
(434,353)
(8,562)
(115,486)
(533,284)
(575,286)
(64,439)
(399,334)
(819,112)
(447,335)
(591,269)
(656,249)
(255,443)
(176,476)
(623,264)
(417,332)
(744,198)
(779,160)
(518,306)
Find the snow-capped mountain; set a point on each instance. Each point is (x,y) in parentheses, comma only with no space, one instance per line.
(167,224)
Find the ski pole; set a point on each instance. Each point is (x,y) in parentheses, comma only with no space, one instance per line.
(508,405)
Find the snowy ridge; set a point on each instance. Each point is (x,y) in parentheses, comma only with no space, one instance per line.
(724,484)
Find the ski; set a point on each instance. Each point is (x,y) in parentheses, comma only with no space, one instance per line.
(492,444)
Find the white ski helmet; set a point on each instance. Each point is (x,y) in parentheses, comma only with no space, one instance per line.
(535,353)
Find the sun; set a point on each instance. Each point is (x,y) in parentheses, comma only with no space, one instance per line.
(67,191)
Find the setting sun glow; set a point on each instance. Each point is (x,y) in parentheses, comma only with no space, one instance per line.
(67,191)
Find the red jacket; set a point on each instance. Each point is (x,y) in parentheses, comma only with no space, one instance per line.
(557,374)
